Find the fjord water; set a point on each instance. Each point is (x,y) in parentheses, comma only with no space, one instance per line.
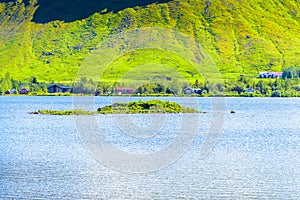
(256,155)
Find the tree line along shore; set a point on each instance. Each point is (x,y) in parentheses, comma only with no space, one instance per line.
(287,85)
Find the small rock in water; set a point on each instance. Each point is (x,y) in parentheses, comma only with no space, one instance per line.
(233,111)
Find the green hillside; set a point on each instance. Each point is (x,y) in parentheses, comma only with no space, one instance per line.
(242,37)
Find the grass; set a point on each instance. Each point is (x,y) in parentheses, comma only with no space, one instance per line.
(132,68)
(64,112)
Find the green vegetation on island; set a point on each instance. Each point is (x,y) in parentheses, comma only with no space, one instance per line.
(137,107)
(152,106)
(64,112)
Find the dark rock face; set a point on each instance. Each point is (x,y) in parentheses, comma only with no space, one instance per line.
(5,1)
(71,10)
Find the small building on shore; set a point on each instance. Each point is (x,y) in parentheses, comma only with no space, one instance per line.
(23,91)
(13,91)
(249,90)
(98,93)
(120,91)
(54,88)
(7,92)
(188,90)
(192,91)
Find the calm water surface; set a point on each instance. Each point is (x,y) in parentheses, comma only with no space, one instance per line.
(257,154)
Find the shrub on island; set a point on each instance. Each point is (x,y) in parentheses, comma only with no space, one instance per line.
(152,106)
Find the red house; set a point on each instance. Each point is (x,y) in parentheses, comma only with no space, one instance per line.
(120,91)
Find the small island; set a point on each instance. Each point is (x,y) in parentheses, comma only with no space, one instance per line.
(136,107)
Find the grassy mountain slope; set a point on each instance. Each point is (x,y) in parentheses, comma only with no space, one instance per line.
(243,37)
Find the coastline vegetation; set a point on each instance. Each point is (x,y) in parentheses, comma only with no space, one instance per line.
(287,86)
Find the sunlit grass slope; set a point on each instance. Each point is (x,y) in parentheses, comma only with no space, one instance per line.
(242,37)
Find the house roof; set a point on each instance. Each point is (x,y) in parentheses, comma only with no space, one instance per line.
(125,88)
(60,86)
(276,73)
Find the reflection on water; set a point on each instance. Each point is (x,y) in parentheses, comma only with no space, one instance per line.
(256,156)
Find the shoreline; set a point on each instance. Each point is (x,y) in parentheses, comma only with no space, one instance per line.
(226,96)
(151,95)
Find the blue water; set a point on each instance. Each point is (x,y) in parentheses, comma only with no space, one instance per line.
(255,155)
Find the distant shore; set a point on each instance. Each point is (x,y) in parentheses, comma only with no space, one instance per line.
(143,95)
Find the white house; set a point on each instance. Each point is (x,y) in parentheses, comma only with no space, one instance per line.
(13,91)
(270,75)
(192,91)
(188,91)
